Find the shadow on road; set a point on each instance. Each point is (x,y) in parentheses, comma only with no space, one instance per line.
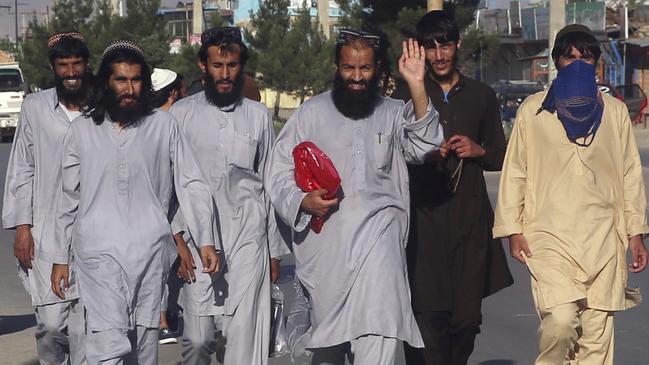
(12,324)
(31,362)
(498,362)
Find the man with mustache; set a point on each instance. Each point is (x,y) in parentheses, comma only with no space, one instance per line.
(121,163)
(453,260)
(32,175)
(354,271)
(231,137)
(572,202)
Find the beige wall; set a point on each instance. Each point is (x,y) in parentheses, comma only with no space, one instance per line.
(286,101)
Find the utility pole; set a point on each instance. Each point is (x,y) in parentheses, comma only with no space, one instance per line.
(16,21)
(323,16)
(197,19)
(557,21)
(435,5)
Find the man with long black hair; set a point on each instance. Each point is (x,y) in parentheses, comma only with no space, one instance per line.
(572,202)
(453,260)
(231,137)
(32,175)
(353,271)
(121,163)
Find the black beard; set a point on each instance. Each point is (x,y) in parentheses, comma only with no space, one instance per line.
(219,99)
(126,115)
(75,96)
(355,104)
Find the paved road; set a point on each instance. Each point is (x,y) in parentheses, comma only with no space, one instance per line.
(508,334)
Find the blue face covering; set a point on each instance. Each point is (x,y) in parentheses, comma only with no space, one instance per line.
(576,99)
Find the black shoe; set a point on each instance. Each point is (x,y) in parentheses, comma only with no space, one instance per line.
(167,336)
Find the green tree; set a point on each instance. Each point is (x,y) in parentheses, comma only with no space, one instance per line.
(216,20)
(478,51)
(185,62)
(101,30)
(143,26)
(312,67)
(7,45)
(33,57)
(71,14)
(271,54)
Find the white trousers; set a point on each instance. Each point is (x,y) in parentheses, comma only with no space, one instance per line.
(247,333)
(119,347)
(365,350)
(60,331)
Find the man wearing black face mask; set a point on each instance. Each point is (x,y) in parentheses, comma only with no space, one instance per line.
(232,137)
(572,201)
(32,177)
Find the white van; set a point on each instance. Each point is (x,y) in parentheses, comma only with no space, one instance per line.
(12,94)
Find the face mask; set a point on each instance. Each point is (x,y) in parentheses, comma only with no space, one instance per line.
(577,101)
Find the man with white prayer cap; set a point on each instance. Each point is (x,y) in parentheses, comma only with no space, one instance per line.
(121,163)
(167,88)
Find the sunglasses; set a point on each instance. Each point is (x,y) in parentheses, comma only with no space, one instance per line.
(222,35)
(347,36)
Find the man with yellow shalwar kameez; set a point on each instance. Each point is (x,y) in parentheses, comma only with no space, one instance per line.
(571,202)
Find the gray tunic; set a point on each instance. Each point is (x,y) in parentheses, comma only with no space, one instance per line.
(354,271)
(232,146)
(32,178)
(113,210)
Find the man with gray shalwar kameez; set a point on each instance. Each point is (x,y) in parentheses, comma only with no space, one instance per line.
(32,177)
(231,137)
(121,163)
(354,271)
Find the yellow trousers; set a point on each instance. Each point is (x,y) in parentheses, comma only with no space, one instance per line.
(573,334)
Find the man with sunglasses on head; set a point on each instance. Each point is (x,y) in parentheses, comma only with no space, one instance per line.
(354,272)
(232,137)
(572,202)
(32,175)
(453,259)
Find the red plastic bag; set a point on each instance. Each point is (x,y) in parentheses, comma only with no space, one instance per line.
(314,170)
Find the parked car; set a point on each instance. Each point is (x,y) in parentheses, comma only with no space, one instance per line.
(635,100)
(511,95)
(12,93)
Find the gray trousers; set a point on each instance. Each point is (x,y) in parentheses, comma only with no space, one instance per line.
(365,350)
(247,332)
(60,331)
(119,347)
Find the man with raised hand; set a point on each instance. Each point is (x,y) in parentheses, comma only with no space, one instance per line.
(354,271)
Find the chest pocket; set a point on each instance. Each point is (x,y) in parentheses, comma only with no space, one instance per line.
(243,151)
(382,145)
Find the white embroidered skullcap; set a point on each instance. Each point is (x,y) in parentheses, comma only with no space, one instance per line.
(122,45)
(161,78)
